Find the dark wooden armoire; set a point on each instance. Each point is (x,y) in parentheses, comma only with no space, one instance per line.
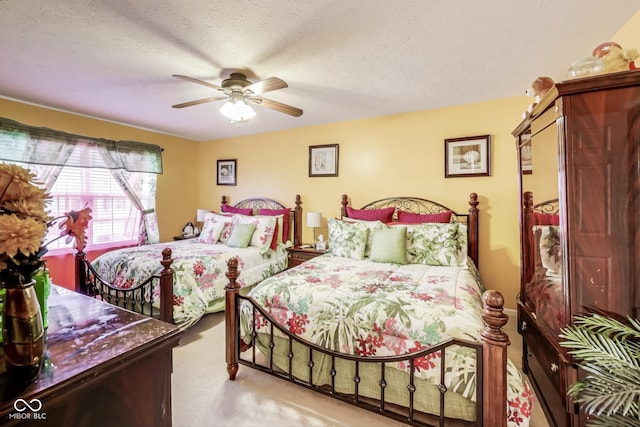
(579,173)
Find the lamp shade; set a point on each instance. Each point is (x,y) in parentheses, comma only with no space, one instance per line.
(237,110)
(201,213)
(314,219)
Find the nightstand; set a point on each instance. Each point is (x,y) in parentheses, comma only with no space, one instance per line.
(299,254)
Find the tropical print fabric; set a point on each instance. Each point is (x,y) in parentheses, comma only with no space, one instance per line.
(348,239)
(437,244)
(380,309)
(199,272)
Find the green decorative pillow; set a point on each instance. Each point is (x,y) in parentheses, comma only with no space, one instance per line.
(241,235)
(437,244)
(371,225)
(347,239)
(389,244)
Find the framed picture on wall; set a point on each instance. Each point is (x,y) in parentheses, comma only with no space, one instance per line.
(323,160)
(468,156)
(227,172)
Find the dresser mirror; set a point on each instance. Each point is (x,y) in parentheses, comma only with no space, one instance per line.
(539,165)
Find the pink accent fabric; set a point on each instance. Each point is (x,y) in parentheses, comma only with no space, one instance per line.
(232,209)
(274,239)
(286,213)
(383,214)
(414,218)
(546,218)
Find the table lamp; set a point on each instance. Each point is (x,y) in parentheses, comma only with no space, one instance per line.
(314,220)
(201,214)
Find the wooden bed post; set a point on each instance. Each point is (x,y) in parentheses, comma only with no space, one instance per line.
(81,273)
(166,287)
(472,225)
(494,360)
(231,318)
(528,258)
(343,209)
(223,202)
(297,222)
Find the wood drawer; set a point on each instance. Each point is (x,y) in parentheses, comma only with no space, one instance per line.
(297,255)
(547,370)
(551,401)
(545,353)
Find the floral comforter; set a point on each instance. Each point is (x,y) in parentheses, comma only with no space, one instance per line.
(199,271)
(368,308)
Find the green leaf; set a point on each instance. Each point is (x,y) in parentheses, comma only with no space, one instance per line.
(608,350)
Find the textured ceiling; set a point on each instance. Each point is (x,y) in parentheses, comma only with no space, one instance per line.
(342,59)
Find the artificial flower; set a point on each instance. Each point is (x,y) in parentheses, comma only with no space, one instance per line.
(75,226)
(24,223)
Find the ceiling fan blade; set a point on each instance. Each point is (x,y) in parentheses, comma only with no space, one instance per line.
(199,101)
(266,85)
(198,81)
(278,106)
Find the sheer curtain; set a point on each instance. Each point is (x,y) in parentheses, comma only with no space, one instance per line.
(134,165)
(139,185)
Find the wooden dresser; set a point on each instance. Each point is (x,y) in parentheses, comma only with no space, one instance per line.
(105,366)
(579,156)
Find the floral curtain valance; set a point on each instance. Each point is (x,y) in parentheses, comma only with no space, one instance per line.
(29,144)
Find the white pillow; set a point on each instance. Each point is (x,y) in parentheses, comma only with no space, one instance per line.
(213,226)
(372,226)
(265,227)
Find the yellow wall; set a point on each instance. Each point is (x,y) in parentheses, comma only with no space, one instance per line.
(177,198)
(629,35)
(394,156)
(379,157)
(399,155)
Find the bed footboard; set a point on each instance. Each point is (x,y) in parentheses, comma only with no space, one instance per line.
(494,355)
(491,373)
(138,299)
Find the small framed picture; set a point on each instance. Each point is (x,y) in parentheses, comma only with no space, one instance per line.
(323,160)
(469,156)
(227,172)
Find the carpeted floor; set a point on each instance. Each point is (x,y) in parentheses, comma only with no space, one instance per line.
(204,396)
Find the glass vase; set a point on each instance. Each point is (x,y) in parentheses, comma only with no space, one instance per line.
(42,286)
(22,332)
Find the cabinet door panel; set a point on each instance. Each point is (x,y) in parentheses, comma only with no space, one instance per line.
(598,186)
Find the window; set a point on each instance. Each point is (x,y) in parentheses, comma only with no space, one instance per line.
(115,220)
(117,179)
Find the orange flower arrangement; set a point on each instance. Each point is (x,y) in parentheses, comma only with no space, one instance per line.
(75,226)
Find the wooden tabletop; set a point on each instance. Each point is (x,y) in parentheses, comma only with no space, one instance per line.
(85,338)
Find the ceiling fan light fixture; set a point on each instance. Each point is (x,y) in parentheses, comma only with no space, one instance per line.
(237,110)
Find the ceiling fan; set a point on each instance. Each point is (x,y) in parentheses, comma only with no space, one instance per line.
(237,91)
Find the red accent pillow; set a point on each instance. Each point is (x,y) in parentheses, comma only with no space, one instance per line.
(546,218)
(285,220)
(383,214)
(233,209)
(414,218)
(274,239)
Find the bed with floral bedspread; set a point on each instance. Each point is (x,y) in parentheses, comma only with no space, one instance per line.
(394,318)
(199,271)
(181,280)
(369,308)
